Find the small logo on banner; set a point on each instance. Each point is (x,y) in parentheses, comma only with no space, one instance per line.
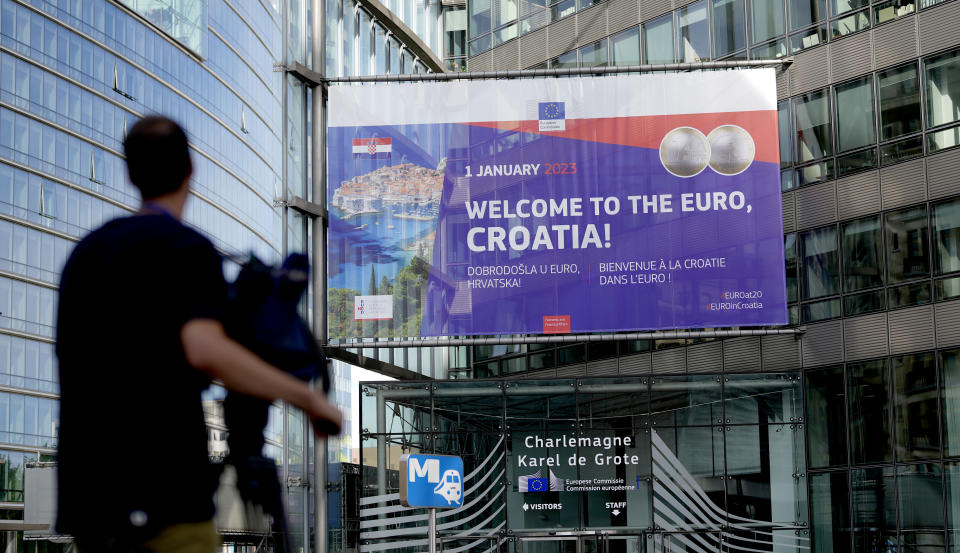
(372,308)
(372,147)
(556,324)
(536,483)
(551,116)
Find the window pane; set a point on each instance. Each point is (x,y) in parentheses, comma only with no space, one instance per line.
(804,13)
(868,389)
(947,288)
(826,418)
(766,20)
(821,271)
(950,403)
(899,91)
(901,151)
(920,495)
(943,89)
(862,267)
(504,11)
(625,47)
(868,302)
(941,140)
(564,61)
(951,474)
(594,55)
(874,509)
(915,406)
(909,294)
(479,17)
(850,24)
(808,38)
(891,10)
(784,124)
(854,109)
(771,50)
(946,228)
(844,6)
(821,310)
(729,27)
(694,34)
(790,255)
(658,40)
(829,511)
(813,126)
(906,236)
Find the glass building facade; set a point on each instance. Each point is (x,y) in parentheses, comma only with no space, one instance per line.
(869,118)
(74,76)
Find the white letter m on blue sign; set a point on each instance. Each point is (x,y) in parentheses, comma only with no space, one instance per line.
(430,469)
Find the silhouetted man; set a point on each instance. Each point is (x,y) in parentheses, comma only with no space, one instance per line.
(139,337)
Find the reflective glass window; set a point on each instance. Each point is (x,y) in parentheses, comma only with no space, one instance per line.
(844,6)
(950,403)
(693,33)
(479,17)
(862,254)
(899,92)
(906,241)
(867,302)
(854,107)
(455,31)
(806,12)
(946,229)
(766,20)
(381,55)
(943,89)
(790,255)
(920,498)
(941,140)
(658,40)
(567,60)
(349,18)
(951,475)
(808,38)
(915,406)
(625,47)
(892,9)
(820,269)
(874,509)
(594,55)
(850,23)
(504,11)
(728,26)
(785,126)
(868,393)
(917,293)
(813,126)
(826,418)
(830,512)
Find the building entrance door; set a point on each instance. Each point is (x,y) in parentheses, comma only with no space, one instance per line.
(686,542)
(582,544)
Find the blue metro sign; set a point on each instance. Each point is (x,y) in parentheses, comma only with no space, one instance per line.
(431,481)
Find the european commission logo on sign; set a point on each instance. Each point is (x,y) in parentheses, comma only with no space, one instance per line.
(431,481)
(537,483)
(552,116)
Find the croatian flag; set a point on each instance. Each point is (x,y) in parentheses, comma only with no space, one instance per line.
(372,147)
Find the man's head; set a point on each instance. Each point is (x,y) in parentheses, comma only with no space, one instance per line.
(158,160)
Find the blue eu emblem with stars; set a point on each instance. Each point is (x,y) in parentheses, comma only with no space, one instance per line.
(551,111)
(551,116)
(538,485)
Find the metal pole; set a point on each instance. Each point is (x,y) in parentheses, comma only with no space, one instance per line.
(566,338)
(381,444)
(432,532)
(561,72)
(318,131)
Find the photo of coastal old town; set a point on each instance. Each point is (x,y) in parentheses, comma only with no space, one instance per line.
(384,221)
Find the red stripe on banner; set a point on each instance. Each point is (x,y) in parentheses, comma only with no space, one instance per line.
(367,141)
(648,131)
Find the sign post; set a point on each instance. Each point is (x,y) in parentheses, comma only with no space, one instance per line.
(432,481)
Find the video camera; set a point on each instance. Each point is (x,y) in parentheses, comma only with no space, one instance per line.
(262,316)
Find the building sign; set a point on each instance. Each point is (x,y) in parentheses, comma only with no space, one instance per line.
(557,205)
(431,481)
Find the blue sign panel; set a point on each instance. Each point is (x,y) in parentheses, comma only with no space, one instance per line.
(431,481)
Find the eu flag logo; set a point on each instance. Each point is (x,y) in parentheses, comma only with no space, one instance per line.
(551,116)
(538,485)
(551,111)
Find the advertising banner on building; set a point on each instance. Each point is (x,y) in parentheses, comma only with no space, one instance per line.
(555,205)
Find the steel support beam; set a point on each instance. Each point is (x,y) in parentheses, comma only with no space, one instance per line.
(565,338)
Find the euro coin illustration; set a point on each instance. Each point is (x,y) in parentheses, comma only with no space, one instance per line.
(684,152)
(731,149)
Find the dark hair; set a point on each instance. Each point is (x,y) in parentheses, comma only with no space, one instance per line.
(158,160)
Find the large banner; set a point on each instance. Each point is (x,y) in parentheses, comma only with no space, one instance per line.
(555,205)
